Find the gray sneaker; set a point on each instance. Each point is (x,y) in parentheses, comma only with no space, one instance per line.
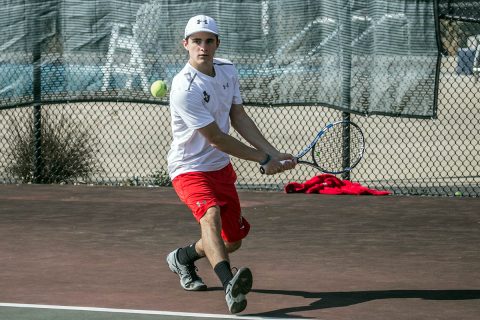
(189,279)
(237,288)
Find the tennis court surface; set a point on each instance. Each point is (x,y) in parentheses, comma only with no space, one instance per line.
(89,252)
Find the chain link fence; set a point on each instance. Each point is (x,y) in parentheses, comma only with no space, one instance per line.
(125,142)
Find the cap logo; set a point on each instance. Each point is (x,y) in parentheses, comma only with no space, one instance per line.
(200,23)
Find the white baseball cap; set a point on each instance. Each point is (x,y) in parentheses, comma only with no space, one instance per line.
(200,23)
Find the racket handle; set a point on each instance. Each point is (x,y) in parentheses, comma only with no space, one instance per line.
(262,169)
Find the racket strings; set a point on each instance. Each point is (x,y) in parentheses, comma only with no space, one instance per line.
(339,149)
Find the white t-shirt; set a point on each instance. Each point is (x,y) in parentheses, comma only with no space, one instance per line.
(197,100)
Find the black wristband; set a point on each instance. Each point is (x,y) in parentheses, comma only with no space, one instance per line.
(266,160)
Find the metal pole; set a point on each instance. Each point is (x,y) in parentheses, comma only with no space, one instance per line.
(36,27)
(346,50)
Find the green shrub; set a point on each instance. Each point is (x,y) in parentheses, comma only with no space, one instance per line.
(161,178)
(66,153)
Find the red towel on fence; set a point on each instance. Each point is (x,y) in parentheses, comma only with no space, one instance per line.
(330,184)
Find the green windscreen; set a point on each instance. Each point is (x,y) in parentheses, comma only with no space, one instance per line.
(365,57)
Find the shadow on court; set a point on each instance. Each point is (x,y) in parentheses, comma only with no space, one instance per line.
(312,256)
(344,299)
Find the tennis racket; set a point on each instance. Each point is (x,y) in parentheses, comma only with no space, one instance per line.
(337,148)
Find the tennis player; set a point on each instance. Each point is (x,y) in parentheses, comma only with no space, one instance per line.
(205,100)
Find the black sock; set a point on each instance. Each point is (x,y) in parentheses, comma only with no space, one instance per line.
(188,254)
(224,273)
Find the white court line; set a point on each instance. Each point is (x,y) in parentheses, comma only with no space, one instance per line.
(133,311)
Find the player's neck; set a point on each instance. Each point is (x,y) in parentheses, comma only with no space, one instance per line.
(205,68)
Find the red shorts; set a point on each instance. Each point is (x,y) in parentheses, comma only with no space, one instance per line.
(203,190)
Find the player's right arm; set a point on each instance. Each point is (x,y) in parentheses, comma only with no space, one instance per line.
(247,128)
(236,148)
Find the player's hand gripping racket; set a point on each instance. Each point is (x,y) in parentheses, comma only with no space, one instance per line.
(337,148)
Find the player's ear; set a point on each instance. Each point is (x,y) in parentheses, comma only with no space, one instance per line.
(218,42)
(185,43)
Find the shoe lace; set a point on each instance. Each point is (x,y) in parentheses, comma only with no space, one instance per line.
(192,270)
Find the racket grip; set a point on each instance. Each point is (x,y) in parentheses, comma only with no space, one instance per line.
(262,169)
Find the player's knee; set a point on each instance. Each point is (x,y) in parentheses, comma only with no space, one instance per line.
(233,246)
(211,217)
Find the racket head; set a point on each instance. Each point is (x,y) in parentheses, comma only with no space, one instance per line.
(337,148)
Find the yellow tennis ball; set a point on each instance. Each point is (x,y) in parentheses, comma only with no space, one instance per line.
(158,89)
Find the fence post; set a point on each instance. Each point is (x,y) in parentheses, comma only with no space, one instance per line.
(36,33)
(346,42)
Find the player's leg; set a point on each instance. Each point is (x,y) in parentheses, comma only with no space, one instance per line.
(229,246)
(181,261)
(233,246)
(212,243)
(235,286)
(194,190)
(191,253)
(235,228)
(214,202)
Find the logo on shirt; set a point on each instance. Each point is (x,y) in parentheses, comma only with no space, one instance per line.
(206,96)
(225,86)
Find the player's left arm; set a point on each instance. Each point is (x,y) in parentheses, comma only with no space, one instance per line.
(247,128)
